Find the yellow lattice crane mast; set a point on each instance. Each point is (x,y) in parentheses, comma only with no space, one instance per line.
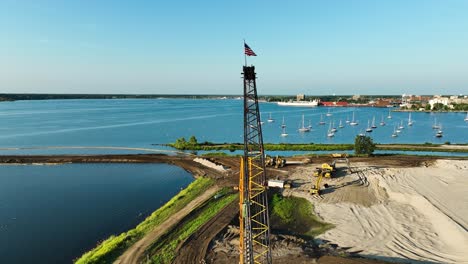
(254,242)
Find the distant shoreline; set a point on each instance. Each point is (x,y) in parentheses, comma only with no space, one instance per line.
(268,97)
(429,111)
(6,97)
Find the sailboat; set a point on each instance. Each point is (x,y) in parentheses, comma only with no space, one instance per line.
(353,122)
(347,119)
(368,129)
(284,134)
(395,134)
(310,124)
(401,125)
(466,117)
(330,132)
(373,123)
(261,122)
(270,119)
(303,128)
(389,114)
(333,127)
(329,113)
(435,125)
(341,124)
(410,122)
(283,125)
(321,120)
(439,132)
(397,130)
(382,123)
(362,134)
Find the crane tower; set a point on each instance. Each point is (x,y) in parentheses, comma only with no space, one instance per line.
(254,242)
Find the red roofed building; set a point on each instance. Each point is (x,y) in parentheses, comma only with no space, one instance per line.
(334,103)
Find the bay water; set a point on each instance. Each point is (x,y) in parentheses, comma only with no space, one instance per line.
(135,123)
(53,214)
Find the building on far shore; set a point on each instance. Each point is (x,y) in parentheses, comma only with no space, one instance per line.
(383,103)
(437,99)
(447,101)
(334,104)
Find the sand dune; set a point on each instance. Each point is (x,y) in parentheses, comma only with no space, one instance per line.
(400,214)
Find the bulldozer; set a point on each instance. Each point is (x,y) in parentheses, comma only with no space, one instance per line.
(326,169)
(277,161)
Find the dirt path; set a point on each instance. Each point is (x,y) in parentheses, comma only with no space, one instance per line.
(195,247)
(136,252)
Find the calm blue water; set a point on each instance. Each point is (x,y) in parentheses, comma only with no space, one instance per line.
(53,214)
(140,123)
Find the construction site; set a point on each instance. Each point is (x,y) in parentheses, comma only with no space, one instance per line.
(302,209)
(327,209)
(396,209)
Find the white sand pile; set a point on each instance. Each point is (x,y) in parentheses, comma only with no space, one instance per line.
(210,164)
(419,214)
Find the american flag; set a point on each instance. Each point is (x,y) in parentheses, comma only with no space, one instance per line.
(248,51)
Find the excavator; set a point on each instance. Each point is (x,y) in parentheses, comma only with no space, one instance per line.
(316,188)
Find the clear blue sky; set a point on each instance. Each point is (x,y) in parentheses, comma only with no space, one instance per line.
(176,47)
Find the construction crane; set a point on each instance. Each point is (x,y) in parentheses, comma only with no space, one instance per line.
(254,241)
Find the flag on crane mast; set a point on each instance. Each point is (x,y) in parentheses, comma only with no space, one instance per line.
(248,51)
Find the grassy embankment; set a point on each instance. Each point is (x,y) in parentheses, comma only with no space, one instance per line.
(296,215)
(209,146)
(427,147)
(163,250)
(111,248)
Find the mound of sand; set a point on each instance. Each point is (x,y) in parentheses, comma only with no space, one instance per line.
(398,214)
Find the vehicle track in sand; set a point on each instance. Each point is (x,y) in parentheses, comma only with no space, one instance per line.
(135,253)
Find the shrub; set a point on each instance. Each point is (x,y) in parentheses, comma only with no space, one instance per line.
(363,145)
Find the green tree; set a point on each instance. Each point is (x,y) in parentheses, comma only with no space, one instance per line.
(363,145)
(438,107)
(193,141)
(180,143)
(428,107)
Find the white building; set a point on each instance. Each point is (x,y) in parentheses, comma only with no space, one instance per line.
(439,100)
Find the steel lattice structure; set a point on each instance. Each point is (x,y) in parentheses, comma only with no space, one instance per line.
(253,216)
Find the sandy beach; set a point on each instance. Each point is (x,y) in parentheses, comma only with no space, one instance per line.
(395,213)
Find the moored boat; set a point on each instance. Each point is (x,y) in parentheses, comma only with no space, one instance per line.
(312,103)
(304,128)
(368,129)
(373,123)
(353,122)
(270,119)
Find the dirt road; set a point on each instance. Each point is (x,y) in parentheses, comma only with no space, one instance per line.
(136,252)
(194,249)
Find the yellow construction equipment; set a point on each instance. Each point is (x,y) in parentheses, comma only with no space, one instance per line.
(277,161)
(316,188)
(339,155)
(326,169)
